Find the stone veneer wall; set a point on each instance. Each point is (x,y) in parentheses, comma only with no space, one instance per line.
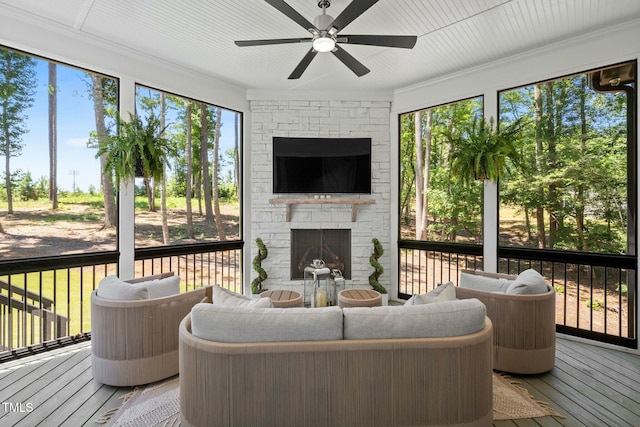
(357,119)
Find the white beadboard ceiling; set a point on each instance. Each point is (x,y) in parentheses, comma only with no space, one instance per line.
(453,35)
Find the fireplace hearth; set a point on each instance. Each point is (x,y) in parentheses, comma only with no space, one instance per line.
(333,246)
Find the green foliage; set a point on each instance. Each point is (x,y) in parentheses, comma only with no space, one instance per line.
(256,284)
(139,145)
(595,304)
(18,82)
(26,188)
(377,268)
(480,151)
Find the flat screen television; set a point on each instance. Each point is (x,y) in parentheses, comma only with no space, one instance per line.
(322,165)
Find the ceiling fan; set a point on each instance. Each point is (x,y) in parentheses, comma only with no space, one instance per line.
(324,35)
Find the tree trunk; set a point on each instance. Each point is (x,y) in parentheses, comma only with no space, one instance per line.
(551,137)
(53,136)
(7,149)
(189,177)
(216,196)
(580,196)
(110,218)
(236,151)
(150,196)
(417,135)
(7,168)
(163,185)
(426,175)
(540,224)
(204,160)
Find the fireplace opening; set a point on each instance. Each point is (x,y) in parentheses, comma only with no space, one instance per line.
(331,246)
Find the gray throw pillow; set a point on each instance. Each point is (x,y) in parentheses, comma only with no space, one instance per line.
(528,282)
(482,283)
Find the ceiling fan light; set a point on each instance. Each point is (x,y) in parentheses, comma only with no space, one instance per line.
(324,44)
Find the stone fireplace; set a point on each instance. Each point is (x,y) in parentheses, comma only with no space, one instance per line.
(330,245)
(277,223)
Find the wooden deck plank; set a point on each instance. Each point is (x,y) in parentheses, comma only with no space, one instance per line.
(94,405)
(621,390)
(52,391)
(29,388)
(590,385)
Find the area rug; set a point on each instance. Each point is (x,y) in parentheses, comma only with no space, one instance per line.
(159,405)
(511,401)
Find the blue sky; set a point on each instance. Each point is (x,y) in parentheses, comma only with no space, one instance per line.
(75,122)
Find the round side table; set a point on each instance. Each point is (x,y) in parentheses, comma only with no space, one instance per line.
(283,298)
(359,298)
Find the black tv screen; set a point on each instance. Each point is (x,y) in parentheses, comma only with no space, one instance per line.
(322,165)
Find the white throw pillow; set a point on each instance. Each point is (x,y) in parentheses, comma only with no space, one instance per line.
(528,282)
(482,283)
(162,287)
(111,287)
(225,297)
(445,292)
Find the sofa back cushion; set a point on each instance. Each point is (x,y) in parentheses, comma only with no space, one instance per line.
(246,324)
(442,319)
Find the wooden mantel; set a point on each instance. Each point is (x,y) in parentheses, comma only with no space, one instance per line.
(326,201)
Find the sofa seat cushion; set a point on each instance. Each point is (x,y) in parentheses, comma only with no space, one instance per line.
(444,319)
(247,324)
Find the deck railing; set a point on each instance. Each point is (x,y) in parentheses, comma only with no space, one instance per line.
(595,293)
(45,301)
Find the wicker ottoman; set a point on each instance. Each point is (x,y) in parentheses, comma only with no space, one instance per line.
(283,299)
(359,298)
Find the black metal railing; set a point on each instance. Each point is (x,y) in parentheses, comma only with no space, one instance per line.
(596,293)
(45,301)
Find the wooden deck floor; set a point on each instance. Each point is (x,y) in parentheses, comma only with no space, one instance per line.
(591,386)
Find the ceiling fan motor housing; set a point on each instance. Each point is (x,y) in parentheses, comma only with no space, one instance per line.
(323,21)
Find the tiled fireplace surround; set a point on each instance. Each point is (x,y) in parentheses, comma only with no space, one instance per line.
(290,118)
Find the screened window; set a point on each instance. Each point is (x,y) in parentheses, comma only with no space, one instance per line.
(435,202)
(198,197)
(53,199)
(570,190)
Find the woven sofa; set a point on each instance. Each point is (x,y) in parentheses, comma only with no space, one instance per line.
(336,367)
(135,341)
(524,325)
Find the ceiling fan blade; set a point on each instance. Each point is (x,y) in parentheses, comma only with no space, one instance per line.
(351,12)
(351,62)
(269,41)
(291,13)
(406,42)
(297,72)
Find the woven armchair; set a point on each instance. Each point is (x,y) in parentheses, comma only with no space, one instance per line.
(136,342)
(524,327)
